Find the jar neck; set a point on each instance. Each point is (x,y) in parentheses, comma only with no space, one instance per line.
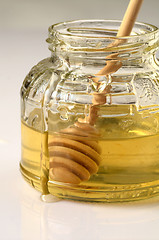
(90,44)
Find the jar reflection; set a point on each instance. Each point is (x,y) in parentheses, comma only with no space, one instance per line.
(74,220)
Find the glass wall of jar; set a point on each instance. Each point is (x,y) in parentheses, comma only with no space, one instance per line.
(88,133)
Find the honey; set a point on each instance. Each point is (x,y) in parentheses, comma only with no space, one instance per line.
(130,160)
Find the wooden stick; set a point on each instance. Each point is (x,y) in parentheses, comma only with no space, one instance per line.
(114,64)
(129,18)
(124,30)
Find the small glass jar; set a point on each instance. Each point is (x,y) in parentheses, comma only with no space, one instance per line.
(88,135)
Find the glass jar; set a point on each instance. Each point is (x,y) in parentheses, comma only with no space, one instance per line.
(88,135)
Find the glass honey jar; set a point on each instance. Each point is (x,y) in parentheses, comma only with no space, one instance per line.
(90,136)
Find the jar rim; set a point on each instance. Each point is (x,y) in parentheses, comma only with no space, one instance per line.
(99,35)
(66,29)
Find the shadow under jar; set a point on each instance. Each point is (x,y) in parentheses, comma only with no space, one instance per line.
(89,137)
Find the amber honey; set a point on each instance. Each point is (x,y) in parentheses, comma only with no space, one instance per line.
(129,169)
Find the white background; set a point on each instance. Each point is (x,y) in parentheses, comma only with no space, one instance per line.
(23,30)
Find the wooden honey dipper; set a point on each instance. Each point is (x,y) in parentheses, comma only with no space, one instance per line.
(74,159)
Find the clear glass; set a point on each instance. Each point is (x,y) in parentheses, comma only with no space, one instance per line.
(90,136)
